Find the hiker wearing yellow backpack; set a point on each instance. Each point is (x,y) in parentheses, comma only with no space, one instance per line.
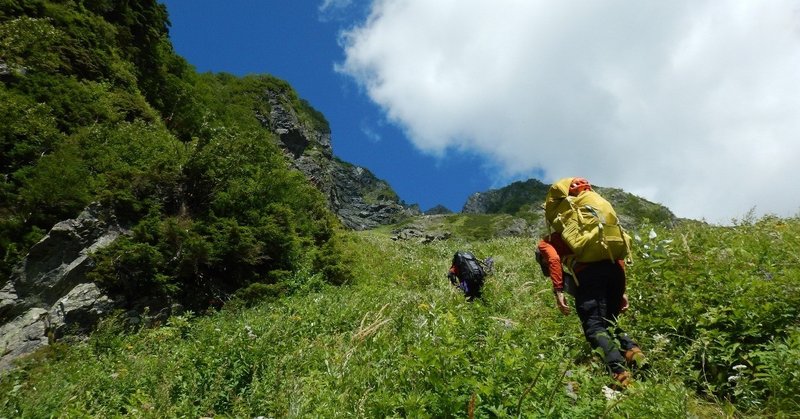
(586,240)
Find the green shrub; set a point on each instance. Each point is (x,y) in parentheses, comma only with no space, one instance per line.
(719,296)
(57,187)
(259,293)
(775,374)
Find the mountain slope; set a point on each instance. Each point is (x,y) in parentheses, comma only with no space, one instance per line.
(523,198)
(99,112)
(358,198)
(708,304)
(126,173)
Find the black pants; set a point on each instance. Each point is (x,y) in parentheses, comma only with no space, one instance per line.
(598,301)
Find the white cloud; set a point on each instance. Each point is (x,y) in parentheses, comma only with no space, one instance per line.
(328,5)
(693,103)
(370,132)
(333,9)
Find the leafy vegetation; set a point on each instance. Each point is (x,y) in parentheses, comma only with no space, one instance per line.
(720,299)
(98,108)
(714,308)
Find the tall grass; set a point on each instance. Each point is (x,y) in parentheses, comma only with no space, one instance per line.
(401,342)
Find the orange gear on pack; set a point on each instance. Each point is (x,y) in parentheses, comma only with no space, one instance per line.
(579,185)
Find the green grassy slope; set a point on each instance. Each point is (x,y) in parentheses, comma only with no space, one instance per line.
(714,308)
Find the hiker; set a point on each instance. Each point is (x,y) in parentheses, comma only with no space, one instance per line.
(467,274)
(598,286)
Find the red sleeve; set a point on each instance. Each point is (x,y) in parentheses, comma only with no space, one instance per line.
(553,260)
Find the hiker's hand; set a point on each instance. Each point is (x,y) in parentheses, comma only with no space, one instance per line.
(624,304)
(561,303)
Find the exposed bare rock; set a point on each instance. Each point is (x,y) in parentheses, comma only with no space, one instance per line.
(354,194)
(48,291)
(60,261)
(22,335)
(420,235)
(79,310)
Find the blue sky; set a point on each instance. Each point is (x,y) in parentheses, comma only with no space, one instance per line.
(694,104)
(298,42)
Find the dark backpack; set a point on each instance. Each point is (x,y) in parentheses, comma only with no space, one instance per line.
(470,272)
(469,268)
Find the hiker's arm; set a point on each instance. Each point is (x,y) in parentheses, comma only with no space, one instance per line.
(561,303)
(553,260)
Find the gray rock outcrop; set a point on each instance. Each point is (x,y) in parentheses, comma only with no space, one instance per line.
(422,236)
(22,335)
(363,201)
(48,293)
(79,310)
(354,194)
(60,261)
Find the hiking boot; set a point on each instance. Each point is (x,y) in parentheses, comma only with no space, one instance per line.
(623,380)
(635,357)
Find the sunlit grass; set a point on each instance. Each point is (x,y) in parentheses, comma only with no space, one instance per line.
(401,342)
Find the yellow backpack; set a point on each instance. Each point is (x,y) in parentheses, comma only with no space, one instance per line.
(587,223)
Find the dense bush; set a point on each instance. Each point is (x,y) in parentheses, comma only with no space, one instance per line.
(98,108)
(718,300)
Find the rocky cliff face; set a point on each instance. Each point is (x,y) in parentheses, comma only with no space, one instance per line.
(48,294)
(360,199)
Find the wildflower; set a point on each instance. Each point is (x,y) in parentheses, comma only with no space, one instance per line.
(250,333)
(571,389)
(660,339)
(610,393)
(739,367)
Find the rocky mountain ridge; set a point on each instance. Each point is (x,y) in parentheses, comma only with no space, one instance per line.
(362,201)
(523,199)
(355,194)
